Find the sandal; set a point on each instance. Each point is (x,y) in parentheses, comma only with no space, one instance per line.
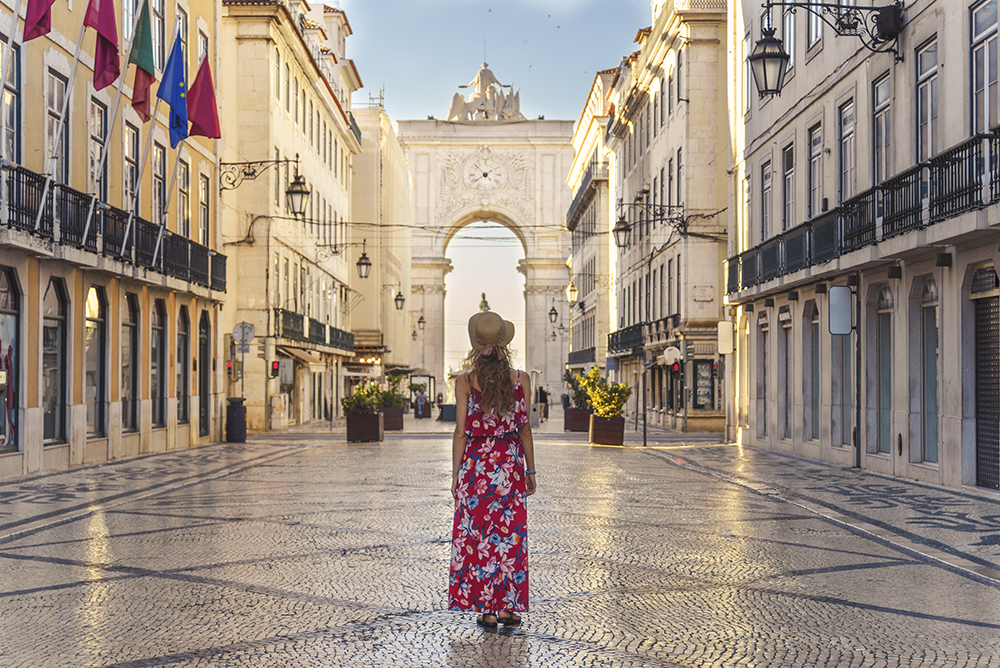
(510,620)
(486,624)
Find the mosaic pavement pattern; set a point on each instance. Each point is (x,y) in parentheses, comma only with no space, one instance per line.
(303,550)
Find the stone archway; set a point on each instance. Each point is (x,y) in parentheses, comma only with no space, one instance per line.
(507,170)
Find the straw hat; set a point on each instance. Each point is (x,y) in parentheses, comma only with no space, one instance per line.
(488,328)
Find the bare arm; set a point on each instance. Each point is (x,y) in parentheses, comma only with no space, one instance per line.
(458,441)
(527,443)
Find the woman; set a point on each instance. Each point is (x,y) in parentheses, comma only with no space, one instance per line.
(493,462)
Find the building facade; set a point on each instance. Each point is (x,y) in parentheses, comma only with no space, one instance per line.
(589,221)
(111,275)
(860,176)
(669,126)
(289,114)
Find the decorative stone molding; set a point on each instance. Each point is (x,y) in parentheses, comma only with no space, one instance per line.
(488,178)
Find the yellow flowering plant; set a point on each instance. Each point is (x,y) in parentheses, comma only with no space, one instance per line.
(607,399)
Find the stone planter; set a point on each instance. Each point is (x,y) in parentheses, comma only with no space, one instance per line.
(365,428)
(576,419)
(393,418)
(607,430)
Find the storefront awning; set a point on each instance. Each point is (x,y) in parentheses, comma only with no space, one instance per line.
(304,356)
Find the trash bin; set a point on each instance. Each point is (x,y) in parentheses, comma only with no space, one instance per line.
(565,401)
(236,420)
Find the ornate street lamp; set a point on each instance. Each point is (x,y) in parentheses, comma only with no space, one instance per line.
(400,300)
(421,323)
(769,63)
(553,315)
(414,335)
(622,230)
(297,196)
(572,293)
(364,264)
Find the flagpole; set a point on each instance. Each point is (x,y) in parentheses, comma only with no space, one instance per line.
(138,178)
(166,204)
(107,142)
(7,50)
(62,124)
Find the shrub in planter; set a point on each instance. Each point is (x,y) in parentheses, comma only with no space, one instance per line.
(391,404)
(607,426)
(577,416)
(364,421)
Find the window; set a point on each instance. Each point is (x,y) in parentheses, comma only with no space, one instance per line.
(748,199)
(670,94)
(98,136)
(159,182)
(815,174)
(843,390)
(129,10)
(670,177)
(284,304)
(883,350)
(788,34)
(184,199)
(12,107)
(312,137)
(288,89)
(54,309)
(929,373)
(94,347)
(182,36)
(787,187)
(656,112)
(882,130)
(277,278)
(157,364)
(678,75)
(984,66)
(786,361)
(745,64)
(295,100)
(202,46)
(130,363)
(204,187)
(926,101)
(55,100)
(158,33)
(9,358)
(766,201)
(277,75)
(183,366)
(680,183)
(814,24)
(810,382)
(846,151)
(763,397)
(131,165)
(678,284)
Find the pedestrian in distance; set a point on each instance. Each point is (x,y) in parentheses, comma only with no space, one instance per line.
(421,401)
(493,473)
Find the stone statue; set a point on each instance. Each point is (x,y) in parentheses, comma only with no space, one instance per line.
(484,305)
(488,102)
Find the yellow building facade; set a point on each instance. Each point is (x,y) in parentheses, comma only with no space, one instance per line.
(109,320)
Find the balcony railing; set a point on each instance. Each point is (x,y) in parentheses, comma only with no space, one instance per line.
(354,126)
(625,339)
(341,339)
(585,356)
(291,325)
(65,217)
(596,171)
(317,331)
(962,178)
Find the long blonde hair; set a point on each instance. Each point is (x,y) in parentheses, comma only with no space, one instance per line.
(492,370)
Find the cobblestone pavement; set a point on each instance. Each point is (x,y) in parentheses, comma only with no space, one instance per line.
(302,550)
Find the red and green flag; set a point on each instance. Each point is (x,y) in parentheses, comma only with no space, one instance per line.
(145,69)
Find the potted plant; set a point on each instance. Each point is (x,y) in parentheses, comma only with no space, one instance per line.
(391,404)
(577,416)
(364,420)
(607,426)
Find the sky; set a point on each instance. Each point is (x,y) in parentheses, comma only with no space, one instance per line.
(416,53)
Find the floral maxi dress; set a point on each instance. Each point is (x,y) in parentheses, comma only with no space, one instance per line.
(489,552)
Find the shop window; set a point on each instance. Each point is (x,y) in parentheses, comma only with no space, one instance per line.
(130,363)
(183,367)
(9,360)
(157,364)
(95,341)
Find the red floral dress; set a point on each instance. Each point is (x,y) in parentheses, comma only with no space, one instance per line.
(489,552)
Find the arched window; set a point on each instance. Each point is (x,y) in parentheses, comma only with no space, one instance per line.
(95,385)
(130,363)
(157,364)
(183,365)
(9,359)
(929,372)
(883,344)
(54,309)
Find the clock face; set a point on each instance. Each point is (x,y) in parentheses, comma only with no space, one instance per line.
(484,173)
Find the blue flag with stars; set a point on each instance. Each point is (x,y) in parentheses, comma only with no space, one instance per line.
(173,91)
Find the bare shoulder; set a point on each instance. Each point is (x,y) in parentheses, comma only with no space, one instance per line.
(462,381)
(517,375)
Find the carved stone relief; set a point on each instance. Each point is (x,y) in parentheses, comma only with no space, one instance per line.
(487,178)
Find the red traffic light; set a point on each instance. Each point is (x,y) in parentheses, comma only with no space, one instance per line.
(275,367)
(676,368)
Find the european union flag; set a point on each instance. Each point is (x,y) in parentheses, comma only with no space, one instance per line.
(173,91)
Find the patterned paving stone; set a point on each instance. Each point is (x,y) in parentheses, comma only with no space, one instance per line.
(303,550)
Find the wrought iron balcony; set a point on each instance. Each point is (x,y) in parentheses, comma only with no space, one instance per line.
(585,356)
(596,171)
(64,222)
(290,325)
(317,331)
(962,178)
(628,339)
(341,339)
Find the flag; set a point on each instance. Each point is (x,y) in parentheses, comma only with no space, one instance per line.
(101,17)
(173,91)
(202,108)
(37,19)
(145,69)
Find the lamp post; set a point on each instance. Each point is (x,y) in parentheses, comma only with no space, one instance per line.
(364,264)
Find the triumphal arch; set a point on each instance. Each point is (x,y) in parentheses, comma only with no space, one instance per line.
(487,162)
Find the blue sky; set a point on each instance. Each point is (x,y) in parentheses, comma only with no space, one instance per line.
(420,51)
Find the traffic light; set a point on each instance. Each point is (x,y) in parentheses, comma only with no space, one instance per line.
(275,368)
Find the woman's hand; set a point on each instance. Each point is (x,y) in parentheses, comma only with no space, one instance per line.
(529,483)
(454,487)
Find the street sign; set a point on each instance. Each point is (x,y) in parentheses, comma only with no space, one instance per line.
(242,347)
(243,333)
